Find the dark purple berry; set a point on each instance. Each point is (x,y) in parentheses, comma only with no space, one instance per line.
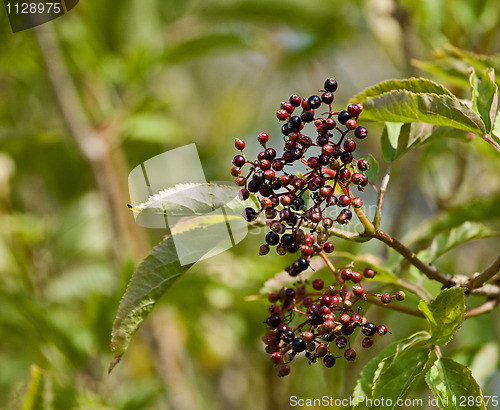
(273,320)
(330,85)
(307,116)
(360,132)
(298,345)
(250,214)
(313,102)
(341,342)
(284,370)
(239,160)
(350,354)
(329,360)
(295,100)
(343,117)
(369,329)
(295,122)
(287,335)
(272,238)
(367,342)
(327,97)
(303,263)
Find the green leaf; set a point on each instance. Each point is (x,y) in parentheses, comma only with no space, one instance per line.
(396,375)
(372,170)
(485,96)
(415,85)
(445,314)
(153,277)
(389,140)
(452,383)
(364,385)
(402,105)
(190,199)
(468,231)
(34,399)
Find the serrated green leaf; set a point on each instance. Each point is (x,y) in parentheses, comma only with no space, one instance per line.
(372,170)
(468,231)
(389,140)
(415,85)
(189,199)
(396,375)
(150,281)
(445,314)
(34,398)
(485,96)
(364,385)
(404,106)
(451,383)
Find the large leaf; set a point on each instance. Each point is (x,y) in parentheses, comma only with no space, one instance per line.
(189,199)
(485,96)
(149,282)
(468,231)
(389,140)
(418,101)
(415,85)
(453,385)
(445,314)
(365,383)
(396,375)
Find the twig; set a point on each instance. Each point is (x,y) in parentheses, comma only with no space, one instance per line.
(369,228)
(108,167)
(486,307)
(399,308)
(487,274)
(331,267)
(428,270)
(381,196)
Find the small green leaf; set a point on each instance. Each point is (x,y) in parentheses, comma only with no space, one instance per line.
(364,385)
(401,105)
(453,385)
(485,96)
(149,282)
(468,231)
(34,399)
(445,314)
(389,140)
(396,375)
(372,170)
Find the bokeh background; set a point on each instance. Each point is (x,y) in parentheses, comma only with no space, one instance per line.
(86,98)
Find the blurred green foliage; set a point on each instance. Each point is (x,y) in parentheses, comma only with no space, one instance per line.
(155,75)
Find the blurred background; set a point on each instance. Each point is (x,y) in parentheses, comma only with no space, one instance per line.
(88,97)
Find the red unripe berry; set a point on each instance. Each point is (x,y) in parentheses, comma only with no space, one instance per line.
(386,298)
(345,319)
(284,370)
(295,100)
(344,200)
(326,300)
(350,354)
(264,249)
(369,273)
(351,124)
(327,97)
(358,290)
(361,133)
(382,330)
(328,247)
(262,137)
(306,250)
(309,239)
(282,115)
(400,295)
(239,161)
(315,217)
(324,310)
(367,342)
(349,145)
(235,171)
(354,110)
(244,194)
(325,191)
(276,357)
(318,284)
(287,106)
(239,144)
(307,337)
(357,202)
(344,174)
(312,162)
(356,277)
(269,174)
(241,181)
(346,274)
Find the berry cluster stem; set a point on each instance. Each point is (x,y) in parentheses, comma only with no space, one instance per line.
(486,275)
(381,196)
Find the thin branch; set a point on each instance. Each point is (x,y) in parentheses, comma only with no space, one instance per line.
(108,166)
(398,308)
(381,196)
(428,270)
(331,267)
(369,228)
(486,307)
(486,275)
(492,142)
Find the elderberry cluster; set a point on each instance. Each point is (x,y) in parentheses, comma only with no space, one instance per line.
(297,209)
(321,320)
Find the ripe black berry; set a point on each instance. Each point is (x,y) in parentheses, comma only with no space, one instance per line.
(297,203)
(330,85)
(295,100)
(313,102)
(361,132)
(250,214)
(284,370)
(367,342)
(272,238)
(329,360)
(298,345)
(287,335)
(350,354)
(369,329)
(295,122)
(327,97)
(303,263)
(343,117)
(273,320)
